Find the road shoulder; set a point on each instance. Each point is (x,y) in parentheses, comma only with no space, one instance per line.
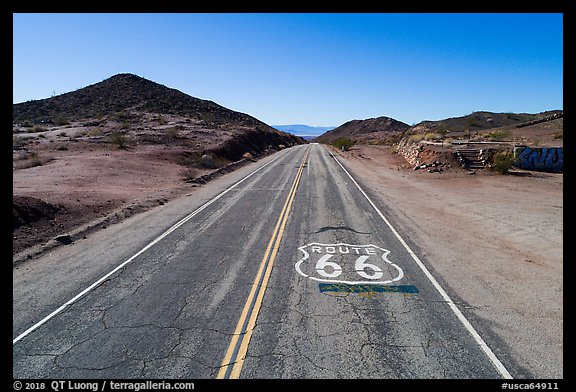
(495,241)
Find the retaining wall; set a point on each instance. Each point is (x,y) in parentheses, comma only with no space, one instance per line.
(548,159)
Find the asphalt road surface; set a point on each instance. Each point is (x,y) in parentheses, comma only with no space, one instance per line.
(284,269)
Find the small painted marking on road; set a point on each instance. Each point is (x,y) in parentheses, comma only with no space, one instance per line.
(366,288)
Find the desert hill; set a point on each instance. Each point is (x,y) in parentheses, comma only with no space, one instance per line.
(366,131)
(480,121)
(124,143)
(124,92)
(140,108)
(545,128)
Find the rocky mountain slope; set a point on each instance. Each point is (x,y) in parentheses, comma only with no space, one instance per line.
(140,108)
(521,127)
(125,142)
(366,131)
(481,121)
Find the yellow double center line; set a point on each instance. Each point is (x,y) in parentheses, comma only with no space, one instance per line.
(234,359)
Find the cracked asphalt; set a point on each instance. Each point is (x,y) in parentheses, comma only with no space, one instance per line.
(170,313)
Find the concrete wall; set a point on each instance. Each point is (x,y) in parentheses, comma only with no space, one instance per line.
(549,159)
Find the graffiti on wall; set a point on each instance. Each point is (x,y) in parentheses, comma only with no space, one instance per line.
(542,159)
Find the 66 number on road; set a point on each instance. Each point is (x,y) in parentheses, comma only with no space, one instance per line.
(347,263)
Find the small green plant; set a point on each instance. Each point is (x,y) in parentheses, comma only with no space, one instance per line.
(502,161)
(190,173)
(343,143)
(497,135)
(96,131)
(19,141)
(32,160)
(432,136)
(208,117)
(36,129)
(119,139)
(61,120)
(415,138)
(121,116)
(161,120)
(172,133)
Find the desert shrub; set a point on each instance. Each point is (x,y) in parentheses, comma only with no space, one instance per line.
(19,142)
(343,143)
(32,160)
(208,117)
(61,120)
(415,138)
(121,116)
(432,136)
(92,123)
(200,160)
(190,173)
(497,135)
(161,120)
(558,136)
(502,161)
(172,133)
(208,161)
(119,139)
(37,129)
(96,131)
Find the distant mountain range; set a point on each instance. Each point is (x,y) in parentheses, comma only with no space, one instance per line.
(388,130)
(304,131)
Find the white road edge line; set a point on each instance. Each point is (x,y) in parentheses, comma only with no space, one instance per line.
(167,232)
(495,361)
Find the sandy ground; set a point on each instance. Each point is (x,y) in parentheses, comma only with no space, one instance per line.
(495,241)
(94,187)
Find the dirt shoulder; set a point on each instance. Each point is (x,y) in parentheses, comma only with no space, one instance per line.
(82,189)
(495,242)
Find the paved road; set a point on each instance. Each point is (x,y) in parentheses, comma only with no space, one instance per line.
(289,272)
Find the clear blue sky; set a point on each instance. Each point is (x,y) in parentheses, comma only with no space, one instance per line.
(317,69)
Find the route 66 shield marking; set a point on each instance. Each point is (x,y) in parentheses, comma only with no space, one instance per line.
(346,263)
